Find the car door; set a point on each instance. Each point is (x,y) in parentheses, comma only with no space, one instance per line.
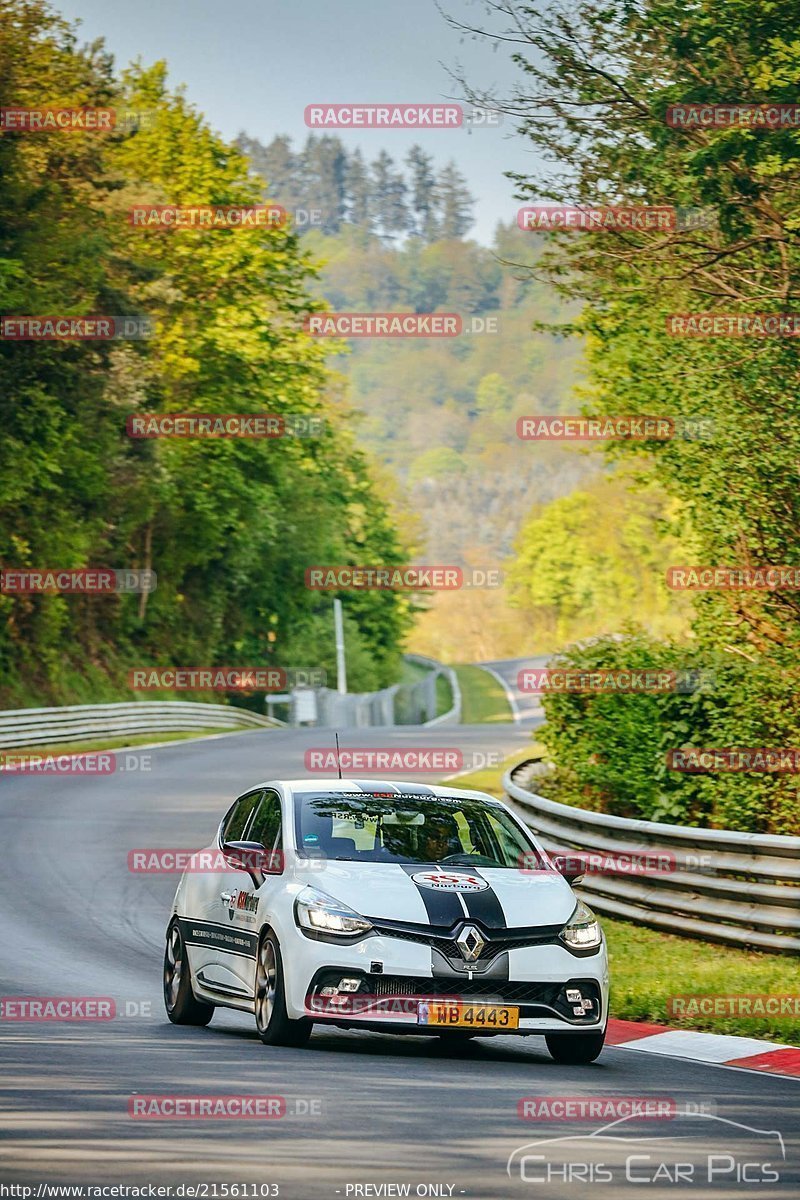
(206,929)
(250,893)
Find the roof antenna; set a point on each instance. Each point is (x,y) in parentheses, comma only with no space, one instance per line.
(338,760)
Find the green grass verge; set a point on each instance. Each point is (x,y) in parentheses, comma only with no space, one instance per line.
(482,698)
(648,967)
(489,778)
(414,672)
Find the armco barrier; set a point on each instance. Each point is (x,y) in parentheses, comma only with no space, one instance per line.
(453,714)
(741,889)
(81,722)
(400,704)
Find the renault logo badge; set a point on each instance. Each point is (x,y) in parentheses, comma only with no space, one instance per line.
(470,943)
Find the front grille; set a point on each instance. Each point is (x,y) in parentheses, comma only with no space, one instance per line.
(443,940)
(491,991)
(390,986)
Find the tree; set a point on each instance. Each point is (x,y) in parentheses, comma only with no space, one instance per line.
(389,192)
(599,82)
(455,203)
(277,166)
(423,203)
(229,526)
(324,167)
(359,193)
(493,397)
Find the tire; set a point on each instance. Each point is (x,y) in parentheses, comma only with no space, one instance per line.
(183,1008)
(575,1048)
(273,1024)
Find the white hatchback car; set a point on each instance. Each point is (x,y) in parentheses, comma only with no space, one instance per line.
(380,905)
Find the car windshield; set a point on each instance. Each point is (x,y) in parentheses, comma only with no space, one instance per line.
(378,827)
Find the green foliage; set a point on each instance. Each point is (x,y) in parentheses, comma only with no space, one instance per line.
(596,82)
(463,393)
(587,563)
(611,747)
(229,526)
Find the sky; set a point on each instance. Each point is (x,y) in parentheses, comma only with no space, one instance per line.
(254,65)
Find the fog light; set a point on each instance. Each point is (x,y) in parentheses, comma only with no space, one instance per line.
(328,991)
(574,996)
(349,985)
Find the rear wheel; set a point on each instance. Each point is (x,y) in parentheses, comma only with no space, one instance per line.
(275,1027)
(183,1008)
(575,1047)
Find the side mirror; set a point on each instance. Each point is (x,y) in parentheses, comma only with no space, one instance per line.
(253,858)
(570,866)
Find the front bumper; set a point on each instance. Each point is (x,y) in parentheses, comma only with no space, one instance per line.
(394,975)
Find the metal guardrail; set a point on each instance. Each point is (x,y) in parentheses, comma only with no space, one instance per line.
(453,714)
(400,704)
(80,722)
(722,886)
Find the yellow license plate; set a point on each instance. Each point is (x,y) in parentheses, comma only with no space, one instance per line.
(460,1015)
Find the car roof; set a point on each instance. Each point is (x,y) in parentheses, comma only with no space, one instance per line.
(402,787)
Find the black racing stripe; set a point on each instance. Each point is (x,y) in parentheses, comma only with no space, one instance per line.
(485,907)
(443,908)
(207,933)
(414,789)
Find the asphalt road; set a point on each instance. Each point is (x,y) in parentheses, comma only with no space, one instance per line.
(363,1110)
(526,706)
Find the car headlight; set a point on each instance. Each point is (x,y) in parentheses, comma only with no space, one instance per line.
(582,931)
(321,913)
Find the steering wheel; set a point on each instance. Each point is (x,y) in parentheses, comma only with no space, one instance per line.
(470,860)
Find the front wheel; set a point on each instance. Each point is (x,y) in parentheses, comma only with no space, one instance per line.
(275,1027)
(575,1047)
(183,1008)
